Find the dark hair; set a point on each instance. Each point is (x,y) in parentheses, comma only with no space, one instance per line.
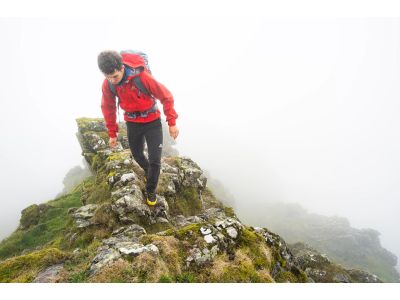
(109,61)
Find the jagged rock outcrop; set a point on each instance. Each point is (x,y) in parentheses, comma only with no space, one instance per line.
(320,269)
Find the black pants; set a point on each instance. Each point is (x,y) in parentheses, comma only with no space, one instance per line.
(152,132)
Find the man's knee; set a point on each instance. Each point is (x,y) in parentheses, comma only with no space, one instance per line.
(138,156)
(155,162)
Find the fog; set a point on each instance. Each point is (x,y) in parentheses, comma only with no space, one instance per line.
(286,110)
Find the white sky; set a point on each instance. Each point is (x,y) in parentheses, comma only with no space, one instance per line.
(298,110)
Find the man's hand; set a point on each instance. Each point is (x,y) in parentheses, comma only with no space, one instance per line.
(173,131)
(113,142)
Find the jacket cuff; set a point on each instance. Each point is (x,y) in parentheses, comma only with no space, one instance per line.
(171,122)
(112,134)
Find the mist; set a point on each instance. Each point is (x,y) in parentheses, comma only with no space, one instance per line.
(291,110)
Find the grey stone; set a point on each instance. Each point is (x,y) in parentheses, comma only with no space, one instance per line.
(128,177)
(104,257)
(232,232)
(135,249)
(341,278)
(205,230)
(209,239)
(85,212)
(49,275)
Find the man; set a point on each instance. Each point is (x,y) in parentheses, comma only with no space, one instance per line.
(137,91)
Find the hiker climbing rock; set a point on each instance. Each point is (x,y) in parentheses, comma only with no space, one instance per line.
(128,78)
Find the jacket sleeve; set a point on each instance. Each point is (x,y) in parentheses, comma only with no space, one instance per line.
(159,91)
(108,107)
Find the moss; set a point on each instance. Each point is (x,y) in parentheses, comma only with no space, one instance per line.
(229,211)
(165,279)
(242,273)
(89,235)
(50,228)
(187,202)
(241,269)
(75,268)
(24,268)
(30,216)
(95,190)
(119,156)
(77,277)
(302,277)
(188,232)
(120,271)
(253,245)
(111,174)
(170,250)
(286,277)
(96,162)
(86,123)
(105,216)
(248,237)
(186,277)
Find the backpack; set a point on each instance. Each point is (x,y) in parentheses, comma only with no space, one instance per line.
(138,62)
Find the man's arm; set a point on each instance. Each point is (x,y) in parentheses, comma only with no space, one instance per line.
(159,91)
(108,107)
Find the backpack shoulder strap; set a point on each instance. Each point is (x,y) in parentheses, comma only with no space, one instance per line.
(112,88)
(139,84)
(113,91)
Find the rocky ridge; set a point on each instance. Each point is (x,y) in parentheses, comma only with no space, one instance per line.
(189,236)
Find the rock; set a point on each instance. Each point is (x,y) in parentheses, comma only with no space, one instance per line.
(191,174)
(209,239)
(205,230)
(71,210)
(85,212)
(49,275)
(162,220)
(232,232)
(31,215)
(194,219)
(92,142)
(83,215)
(125,234)
(134,230)
(161,209)
(227,222)
(85,125)
(135,249)
(104,257)
(362,276)
(128,177)
(201,257)
(166,168)
(341,278)
(131,206)
(213,213)
(181,220)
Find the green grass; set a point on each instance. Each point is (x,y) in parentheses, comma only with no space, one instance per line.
(24,268)
(49,228)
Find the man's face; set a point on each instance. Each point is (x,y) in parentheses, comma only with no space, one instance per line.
(115,77)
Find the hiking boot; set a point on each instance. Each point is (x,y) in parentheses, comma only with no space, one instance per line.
(151,198)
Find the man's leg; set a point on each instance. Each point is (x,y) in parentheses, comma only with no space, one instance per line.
(136,144)
(154,140)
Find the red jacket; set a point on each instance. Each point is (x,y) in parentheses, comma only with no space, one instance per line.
(130,102)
